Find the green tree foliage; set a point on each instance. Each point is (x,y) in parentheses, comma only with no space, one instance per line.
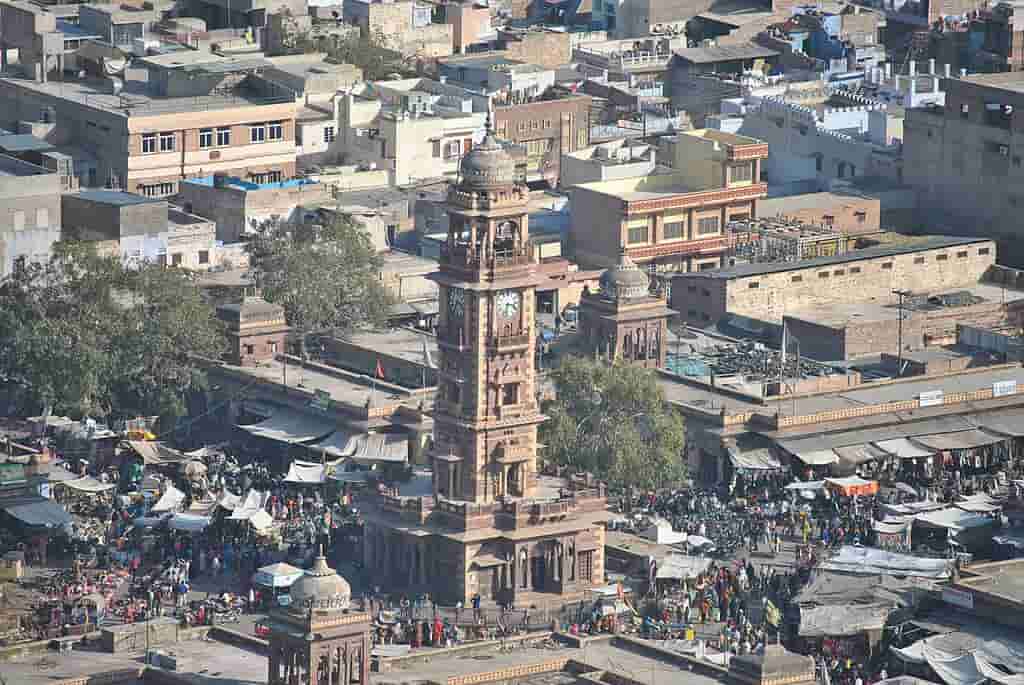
(326,278)
(86,336)
(613,421)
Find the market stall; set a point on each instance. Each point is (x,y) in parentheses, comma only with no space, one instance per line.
(274,583)
(852,486)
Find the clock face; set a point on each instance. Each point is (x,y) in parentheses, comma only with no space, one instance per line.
(456,301)
(507,303)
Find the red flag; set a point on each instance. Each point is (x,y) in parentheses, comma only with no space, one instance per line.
(380,370)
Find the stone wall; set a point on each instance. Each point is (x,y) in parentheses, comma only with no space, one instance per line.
(768,296)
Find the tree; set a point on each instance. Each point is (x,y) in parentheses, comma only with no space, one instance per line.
(613,421)
(84,336)
(325,277)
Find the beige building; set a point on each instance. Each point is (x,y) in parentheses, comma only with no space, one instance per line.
(403,25)
(673,221)
(183,115)
(414,128)
(769,291)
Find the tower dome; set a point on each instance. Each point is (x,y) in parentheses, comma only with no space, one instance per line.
(321,589)
(624,281)
(488,165)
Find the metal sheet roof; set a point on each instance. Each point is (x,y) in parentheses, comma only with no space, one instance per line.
(291,427)
(43,513)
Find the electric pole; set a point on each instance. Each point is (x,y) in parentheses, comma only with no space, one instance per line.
(899,332)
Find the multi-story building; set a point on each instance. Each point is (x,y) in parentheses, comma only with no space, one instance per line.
(607,161)
(414,129)
(502,79)
(31,217)
(821,134)
(183,115)
(403,25)
(494,526)
(964,159)
(141,229)
(470,22)
(546,128)
(672,221)
(236,206)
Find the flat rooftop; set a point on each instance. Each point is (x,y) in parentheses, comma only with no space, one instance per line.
(343,387)
(725,53)
(484,61)
(782,205)
(868,394)
(764,268)
(1004,578)
(136,99)
(400,343)
(654,187)
(12,166)
(117,198)
(406,263)
(1012,81)
(723,137)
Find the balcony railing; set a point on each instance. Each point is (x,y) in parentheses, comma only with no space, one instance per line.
(509,342)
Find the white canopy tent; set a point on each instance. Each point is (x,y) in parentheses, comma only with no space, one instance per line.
(171,500)
(681,567)
(254,501)
(305,473)
(868,560)
(277,575)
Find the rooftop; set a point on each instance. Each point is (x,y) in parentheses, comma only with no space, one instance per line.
(239,184)
(868,394)
(406,263)
(136,99)
(23,142)
(12,166)
(117,198)
(1004,578)
(1012,81)
(487,60)
(727,53)
(402,343)
(787,203)
(760,269)
(653,187)
(343,387)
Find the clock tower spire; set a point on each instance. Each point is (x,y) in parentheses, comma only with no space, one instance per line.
(486,413)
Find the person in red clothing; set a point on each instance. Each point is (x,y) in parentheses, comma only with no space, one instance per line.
(436,633)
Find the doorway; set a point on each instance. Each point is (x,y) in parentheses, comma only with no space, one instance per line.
(538,573)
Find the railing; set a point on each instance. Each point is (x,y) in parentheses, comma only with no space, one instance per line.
(509,342)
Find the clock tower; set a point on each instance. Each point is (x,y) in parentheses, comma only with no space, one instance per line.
(491,527)
(486,413)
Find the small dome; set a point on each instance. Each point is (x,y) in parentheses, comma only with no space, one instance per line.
(321,589)
(624,281)
(487,165)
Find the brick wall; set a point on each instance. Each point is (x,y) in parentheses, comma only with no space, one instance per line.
(543,48)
